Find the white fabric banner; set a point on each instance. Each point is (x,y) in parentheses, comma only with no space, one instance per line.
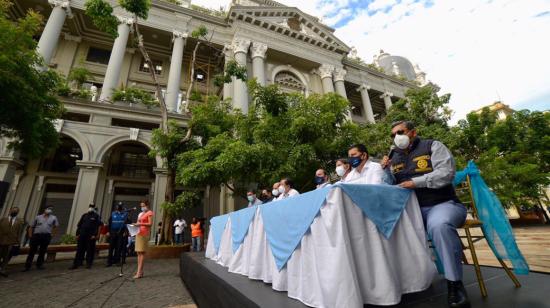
(342,261)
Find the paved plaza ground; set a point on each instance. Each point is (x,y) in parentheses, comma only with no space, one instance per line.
(56,286)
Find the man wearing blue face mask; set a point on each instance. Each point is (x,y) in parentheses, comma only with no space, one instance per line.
(321,178)
(428,167)
(364,171)
(252,199)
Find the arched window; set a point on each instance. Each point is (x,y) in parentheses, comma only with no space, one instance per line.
(289,83)
(64,158)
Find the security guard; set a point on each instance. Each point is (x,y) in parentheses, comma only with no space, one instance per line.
(87,233)
(428,167)
(117,235)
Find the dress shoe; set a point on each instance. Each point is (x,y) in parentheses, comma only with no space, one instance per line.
(73,267)
(40,267)
(26,269)
(457,297)
(88,266)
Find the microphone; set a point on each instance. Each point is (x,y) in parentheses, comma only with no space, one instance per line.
(130,209)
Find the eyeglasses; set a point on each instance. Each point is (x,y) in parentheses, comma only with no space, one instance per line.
(399,132)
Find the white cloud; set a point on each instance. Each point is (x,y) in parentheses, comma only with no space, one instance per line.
(479,51)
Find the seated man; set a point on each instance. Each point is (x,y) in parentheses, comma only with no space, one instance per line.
(252,198)
(364,171)
(428,167)
(286,189)
(321,178)
(275,192)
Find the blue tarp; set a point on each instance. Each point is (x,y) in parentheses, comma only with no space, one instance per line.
(240,222)
(496,226)
(217,225)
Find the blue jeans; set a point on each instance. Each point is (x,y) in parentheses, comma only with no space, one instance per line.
(179,238)
(441,222)
(196,243)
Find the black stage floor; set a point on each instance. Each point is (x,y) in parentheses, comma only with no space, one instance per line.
(211,285)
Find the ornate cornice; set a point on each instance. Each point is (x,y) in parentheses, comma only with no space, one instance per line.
(339,74)
(240,45)
(325,71)
(65,4)
(258,50)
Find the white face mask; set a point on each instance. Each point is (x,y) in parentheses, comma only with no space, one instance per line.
(91,209)
(340,170)
(250,198)
(275,192)
(401,141)
(281,189)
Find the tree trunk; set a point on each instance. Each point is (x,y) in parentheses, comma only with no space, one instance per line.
(192,81)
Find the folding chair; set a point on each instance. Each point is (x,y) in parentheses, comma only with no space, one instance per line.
(465,191)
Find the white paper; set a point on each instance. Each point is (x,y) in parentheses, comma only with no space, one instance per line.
(134,230)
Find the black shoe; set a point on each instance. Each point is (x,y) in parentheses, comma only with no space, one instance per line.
(73,267)
(457,297)
(88,266)
(3,273)
(108,265)
(26,269)
(40,267)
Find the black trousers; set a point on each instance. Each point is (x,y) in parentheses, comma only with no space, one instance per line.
(39,242)
(85,245)
(117,247)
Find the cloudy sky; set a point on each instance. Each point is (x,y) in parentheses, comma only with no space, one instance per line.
(479,51)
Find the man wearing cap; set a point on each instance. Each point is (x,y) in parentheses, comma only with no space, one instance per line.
(87,233)
(117,235)
(40,234)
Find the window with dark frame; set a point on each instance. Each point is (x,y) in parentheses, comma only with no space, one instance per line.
(98,55)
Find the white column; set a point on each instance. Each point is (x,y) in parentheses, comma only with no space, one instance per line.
(240,91)
(174,77)
(115,61)
(325,71)
(258,51)
(339,76)
(367,106)
(52,30)
(228,87)
(387,99)
(85,192)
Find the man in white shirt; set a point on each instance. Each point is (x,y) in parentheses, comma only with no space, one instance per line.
(180,225)
(252,198)
(286,188)
(275,192)
(364,171)
(321,179)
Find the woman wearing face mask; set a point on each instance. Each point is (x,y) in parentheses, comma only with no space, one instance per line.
(342,169)
(144,221)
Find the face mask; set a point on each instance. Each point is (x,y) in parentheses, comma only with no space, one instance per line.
(250,198)
(354,161)
(13,214)
(340,170)
(275,192)
(48,211)
(401,141)
(91,209)
(319,180)
(144,209)
(281,189)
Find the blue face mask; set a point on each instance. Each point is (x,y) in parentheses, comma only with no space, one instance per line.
(319,180)
(354,161)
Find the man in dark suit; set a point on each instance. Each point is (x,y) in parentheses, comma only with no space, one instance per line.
(11,230)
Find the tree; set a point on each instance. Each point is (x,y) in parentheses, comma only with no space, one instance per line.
(164,141)
(28,105)
(282,135)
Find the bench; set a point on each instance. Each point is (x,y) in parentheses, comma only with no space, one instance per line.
(54,249)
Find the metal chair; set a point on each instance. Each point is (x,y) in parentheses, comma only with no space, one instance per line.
(465,191)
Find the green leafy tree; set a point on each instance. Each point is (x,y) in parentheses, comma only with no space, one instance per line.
(27,104)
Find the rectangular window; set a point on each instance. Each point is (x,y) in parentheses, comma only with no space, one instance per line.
(133,124)
(144,67)
(77,117)
(97,55)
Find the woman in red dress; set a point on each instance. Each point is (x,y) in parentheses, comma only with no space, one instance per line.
(144,221)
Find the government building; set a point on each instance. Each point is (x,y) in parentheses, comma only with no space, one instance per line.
(103,154)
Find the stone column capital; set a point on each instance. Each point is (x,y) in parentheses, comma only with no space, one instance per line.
(386,94)
(363,87)
(240,45)
(65,4)
(258,50)
(179,34)
(339,74)
(125,20)
(325,71)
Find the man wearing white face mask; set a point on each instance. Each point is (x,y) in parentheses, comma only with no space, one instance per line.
(275,192)
(428,167)
(342,169)
(252,199)
(286,189)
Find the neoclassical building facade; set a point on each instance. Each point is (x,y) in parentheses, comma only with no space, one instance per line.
(103,155)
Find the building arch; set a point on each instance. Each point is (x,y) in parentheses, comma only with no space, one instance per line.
(81,140)
(295,72)
(109,144)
